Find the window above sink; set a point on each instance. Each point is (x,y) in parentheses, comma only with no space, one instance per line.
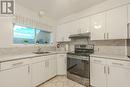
(29,35)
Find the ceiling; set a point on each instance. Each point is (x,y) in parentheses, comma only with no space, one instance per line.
(58,9)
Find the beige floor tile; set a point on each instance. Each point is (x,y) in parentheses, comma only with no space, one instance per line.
(61,81)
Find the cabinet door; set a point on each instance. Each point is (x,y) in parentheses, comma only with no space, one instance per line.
(17,77)
(61,64)
(53,66)
(129,13)
(97,72)
(98,26)
(85,25)
(47,75)
(60,33)
(37,73)
(117,23)
(119,75)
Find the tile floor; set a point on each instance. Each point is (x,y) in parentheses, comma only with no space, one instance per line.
(61,81)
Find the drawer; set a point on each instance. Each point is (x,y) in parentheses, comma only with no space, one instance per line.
(119,63)
(97,60)
(14,64)
(37,59)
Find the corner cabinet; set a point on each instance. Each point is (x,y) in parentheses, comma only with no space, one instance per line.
(129,13)
(84,25)
(43,69)
(65,30)
(61,64)
(109,73)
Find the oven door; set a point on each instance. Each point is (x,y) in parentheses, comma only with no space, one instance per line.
(79,66)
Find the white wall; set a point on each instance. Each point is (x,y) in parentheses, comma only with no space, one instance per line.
(6,25)
(107,5)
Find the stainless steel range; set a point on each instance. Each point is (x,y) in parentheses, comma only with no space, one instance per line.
(78,64)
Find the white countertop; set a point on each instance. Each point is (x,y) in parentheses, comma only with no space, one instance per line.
(114,57)
(5,58)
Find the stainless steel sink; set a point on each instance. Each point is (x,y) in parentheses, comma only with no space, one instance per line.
(41,52)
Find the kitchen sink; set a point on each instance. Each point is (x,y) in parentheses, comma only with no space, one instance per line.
(41,52)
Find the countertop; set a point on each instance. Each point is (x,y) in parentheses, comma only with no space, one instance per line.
(5,58)
(114,57)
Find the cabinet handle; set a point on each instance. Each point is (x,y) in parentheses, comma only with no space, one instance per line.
(119,64)
(98,61)
(105,69)
(17,64)
(107,35)
(46,63)
(108,70)
(104,35)
(28,69)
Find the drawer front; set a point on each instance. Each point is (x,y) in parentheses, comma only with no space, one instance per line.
(119,63)
(37,59)
(14,64)
(97,60)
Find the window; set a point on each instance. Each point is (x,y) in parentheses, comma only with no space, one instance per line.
(27,35)
(42,37)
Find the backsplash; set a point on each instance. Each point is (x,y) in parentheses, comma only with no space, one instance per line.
(105,47)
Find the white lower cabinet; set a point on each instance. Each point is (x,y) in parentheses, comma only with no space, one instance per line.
(37,73)
(44,70)
(98,76)
(16,77)
(109,73)
(61,64)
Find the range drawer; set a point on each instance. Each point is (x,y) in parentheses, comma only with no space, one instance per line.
(14,64)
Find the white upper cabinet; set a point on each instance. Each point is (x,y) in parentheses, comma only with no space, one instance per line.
(98,26)
(85,24)
(129,13)
(117,23)
(110,25)
(65,30)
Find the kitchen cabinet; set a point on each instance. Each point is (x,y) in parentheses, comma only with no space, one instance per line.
(97,73)
(111,24)
(129,13)
(109,73)
(50,69)
(84,25)
(65,30)
(53,65)
(117,23)
(98,26)
(118,71)
(16,77)
(61,64)
(37,73)
(43,69)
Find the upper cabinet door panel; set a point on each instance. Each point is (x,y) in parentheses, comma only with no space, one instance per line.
(85,24)
(117,23)
(98,26)
(129,13)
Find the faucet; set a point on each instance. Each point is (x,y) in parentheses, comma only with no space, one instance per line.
(38,47)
